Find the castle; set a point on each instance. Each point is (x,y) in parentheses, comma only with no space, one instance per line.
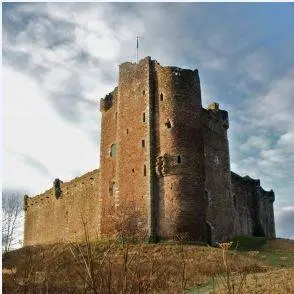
(164,170)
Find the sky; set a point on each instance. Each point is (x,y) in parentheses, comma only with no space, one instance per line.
(59,59)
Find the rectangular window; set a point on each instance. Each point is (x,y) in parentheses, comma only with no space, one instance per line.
(112,150)
(145,170)
(144,119)
(143,143)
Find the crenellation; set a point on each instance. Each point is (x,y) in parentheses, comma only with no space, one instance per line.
(164,165)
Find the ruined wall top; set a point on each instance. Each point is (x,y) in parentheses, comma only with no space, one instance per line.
(216,118)
(109,99)
(254,183)
(65,187)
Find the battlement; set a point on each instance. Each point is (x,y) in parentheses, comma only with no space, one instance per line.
(133,65)
(62,217)
(87,178)
(246,179)
(268,194)
(109,100)
(213,106)
(216,118)
(254,183)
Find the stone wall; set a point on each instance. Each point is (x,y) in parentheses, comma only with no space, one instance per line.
(266,212)
(253,207)
(50,220)
(126,124)
(217,173)
(179,153)
(108,162)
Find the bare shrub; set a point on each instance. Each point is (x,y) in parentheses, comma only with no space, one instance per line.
(11,219)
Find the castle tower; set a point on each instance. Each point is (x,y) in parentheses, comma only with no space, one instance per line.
(179,153)
(125,153)
(152,152)
(220,210)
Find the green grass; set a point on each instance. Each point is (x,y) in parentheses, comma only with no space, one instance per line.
(248,243)
(278,257)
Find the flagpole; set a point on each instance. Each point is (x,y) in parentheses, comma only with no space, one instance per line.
(137,48)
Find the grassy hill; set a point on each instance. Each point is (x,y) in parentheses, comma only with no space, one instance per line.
(250,265)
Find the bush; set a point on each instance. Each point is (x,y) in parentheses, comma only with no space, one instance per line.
(245,243)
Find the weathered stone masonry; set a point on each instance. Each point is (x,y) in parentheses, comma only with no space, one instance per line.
(164,170)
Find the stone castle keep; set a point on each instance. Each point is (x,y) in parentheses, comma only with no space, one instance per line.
(164,170)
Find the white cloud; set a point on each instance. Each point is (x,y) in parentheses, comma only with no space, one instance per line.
(33,128)
(275,107)
(104,46)
(256,65)
(284,217)
(255,142)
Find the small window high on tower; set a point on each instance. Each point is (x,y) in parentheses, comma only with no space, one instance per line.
(168,124)
(111,188)
(112,150)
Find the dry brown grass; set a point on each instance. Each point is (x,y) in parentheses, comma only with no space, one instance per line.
(281,245)
(117,268)
(112,267)
(279,281)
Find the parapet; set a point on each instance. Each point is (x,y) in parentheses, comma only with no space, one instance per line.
(213,106)
(215,117)
(246,179)
(109,100)
(130,65)
(49,195)
(254,183)
(268,194)
(106,102)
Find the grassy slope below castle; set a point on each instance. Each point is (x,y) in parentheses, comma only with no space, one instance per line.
(257,266)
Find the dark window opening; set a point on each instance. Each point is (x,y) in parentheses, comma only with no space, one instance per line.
(179,159)
(144,118)
(143,143)
(145,170)
(112,150)
(111,188)
(161,97)
(168,124)
(127,131)
(133,170)
(143,92)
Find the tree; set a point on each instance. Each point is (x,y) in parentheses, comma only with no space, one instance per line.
(12,219)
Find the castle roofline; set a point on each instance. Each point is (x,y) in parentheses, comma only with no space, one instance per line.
(245,178)
(65,184)
(256,182)
(148,58)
